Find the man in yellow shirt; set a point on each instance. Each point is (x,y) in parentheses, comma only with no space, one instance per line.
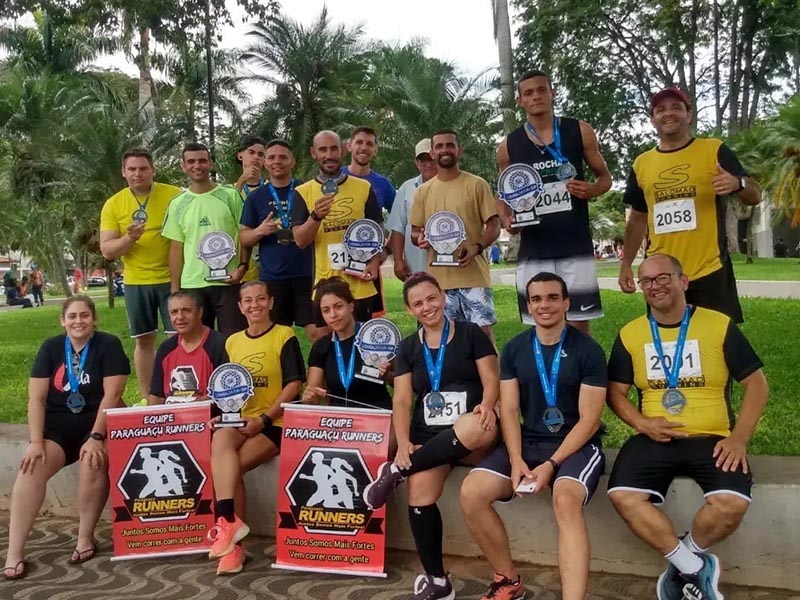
(130,229)
(681,359)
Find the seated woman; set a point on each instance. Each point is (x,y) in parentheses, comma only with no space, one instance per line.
(74,377)
(451,368)
(272,354)
(16,297)
(334,361)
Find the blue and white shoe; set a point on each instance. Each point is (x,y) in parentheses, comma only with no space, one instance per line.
(670,584)
(703,585)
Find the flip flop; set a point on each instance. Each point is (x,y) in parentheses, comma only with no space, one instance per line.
(12,573)
(81,556)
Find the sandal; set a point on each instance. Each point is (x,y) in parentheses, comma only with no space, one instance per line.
(81,556)
(13,573)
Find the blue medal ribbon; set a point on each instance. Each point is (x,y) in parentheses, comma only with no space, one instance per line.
(246,188)
(549,384)
(75,379)
(671,375)
(555,149)
(435,369)
(345,377)
(284,214)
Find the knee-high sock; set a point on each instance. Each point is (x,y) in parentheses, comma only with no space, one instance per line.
(426,525)
(442,449)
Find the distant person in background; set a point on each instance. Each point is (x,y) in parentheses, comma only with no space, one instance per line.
(23,287)
(781,249)
(15,298)
(77,279)
(37,285)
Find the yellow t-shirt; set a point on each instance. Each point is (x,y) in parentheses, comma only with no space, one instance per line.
(147,261)
(714,352)
(685,217)
(471,198)
(349,204)
(253,269)
(273,359)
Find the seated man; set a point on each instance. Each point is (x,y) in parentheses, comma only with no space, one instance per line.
(681,359)
(14,296)
(181,373)
(272,354)
(553,375)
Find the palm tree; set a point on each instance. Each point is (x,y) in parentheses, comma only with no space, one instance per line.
(505,53)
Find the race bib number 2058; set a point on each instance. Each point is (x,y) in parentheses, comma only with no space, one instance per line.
(674,215)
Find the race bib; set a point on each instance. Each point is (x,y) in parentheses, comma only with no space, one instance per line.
(689,368)
(554,199)
(455,405)
(674,215)
(337,256)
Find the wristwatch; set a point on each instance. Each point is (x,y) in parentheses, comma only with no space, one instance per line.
(97,436)
(742,184)
(315,216)
(266,420)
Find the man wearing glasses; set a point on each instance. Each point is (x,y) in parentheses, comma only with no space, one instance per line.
(678,192)
(681,359)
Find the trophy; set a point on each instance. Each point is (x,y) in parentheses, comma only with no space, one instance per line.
(216,250)
(230,387)
(520,187)
(377,342)
(363,239)
(445,231)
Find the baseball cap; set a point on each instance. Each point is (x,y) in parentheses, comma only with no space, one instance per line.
(422,147)
(670,92)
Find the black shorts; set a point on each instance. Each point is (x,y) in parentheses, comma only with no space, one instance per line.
(643,465)
(291,301)
(717,291)
(221,306)
(274,434)
(584,466)
(69,431)
(364,309)
(143,305)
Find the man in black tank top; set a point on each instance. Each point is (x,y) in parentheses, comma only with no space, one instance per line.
(561,242)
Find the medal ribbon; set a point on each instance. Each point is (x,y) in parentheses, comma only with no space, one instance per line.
(246,188)
(346,377)
(143,205)
(677,361)
(555,149)
(435,369)
(549,384)
(75,380)
(283,214)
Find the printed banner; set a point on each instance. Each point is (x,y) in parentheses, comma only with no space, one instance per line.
(328,456)
(160,472)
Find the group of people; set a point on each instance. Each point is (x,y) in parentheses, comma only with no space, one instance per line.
(27,292)
(527,421)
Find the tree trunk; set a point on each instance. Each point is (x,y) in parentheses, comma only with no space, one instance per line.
(502,34)
(110,283)
(717,80)
(750,219)
(732,225)
(146,105)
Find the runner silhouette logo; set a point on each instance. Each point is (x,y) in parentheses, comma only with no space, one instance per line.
(161,482)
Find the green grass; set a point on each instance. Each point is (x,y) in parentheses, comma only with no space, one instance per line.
(762,269)
(772,326)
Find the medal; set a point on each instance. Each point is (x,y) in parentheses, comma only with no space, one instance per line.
(434,400)
(330,187)
(552,418)
(75,401)
(283,236)
(346,377)
(139,216)
(673,400)
(566,171)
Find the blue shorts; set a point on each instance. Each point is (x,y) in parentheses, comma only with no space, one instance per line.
(584,466)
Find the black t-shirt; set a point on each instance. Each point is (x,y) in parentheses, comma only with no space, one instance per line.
(323,356)
(559,234)
(582,362)
(105,358)
(459,372)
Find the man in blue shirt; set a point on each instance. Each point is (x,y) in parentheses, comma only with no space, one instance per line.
(265,221)
(363,147)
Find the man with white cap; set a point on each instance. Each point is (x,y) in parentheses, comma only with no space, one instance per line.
(408,258)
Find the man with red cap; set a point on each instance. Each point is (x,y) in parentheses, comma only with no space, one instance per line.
(677,191)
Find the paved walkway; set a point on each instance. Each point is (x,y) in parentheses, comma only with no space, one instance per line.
(52,578)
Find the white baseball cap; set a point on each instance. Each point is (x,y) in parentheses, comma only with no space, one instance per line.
(422,147)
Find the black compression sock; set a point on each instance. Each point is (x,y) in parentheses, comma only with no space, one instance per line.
(442,449)
(426,525)
(224,509)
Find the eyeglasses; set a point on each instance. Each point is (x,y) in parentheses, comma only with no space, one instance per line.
(661,279)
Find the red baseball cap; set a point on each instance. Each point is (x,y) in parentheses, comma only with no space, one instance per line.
(670,92)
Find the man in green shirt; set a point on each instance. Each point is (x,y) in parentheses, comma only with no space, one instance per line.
(206,208)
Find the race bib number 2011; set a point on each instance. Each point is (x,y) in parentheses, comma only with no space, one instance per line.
(690,366)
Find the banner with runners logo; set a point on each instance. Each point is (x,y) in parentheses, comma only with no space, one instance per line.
(328,456)
(160,474)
